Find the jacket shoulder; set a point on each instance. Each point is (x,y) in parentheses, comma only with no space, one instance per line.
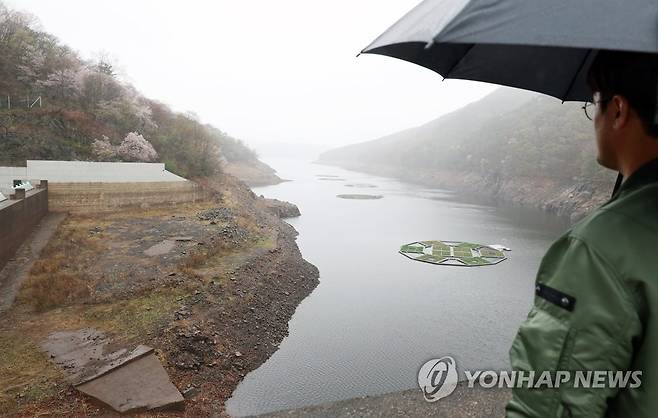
(623,231)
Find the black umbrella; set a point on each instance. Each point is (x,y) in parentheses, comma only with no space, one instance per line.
(544,46)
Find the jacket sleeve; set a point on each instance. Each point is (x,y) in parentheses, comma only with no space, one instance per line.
(596,333)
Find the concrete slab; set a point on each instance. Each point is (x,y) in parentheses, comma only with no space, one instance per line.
(138,385)
(125,380)
(83,354)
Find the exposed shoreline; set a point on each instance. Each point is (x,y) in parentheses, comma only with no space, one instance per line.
(213,315)
(573,201)
(465,402)
(253,173)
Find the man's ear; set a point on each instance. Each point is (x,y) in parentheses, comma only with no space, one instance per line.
(621,111)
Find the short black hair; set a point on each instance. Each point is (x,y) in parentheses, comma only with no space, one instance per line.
(633,75)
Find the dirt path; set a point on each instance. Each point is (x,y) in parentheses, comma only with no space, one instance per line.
(16,270)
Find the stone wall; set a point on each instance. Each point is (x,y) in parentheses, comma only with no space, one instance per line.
(108,197)
(18,218)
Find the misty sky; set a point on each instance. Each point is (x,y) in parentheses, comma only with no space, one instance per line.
(262,70)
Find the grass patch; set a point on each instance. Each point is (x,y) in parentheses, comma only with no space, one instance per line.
(24,371)
(209,255)
(135,317)
(58,277)
(266,242)
(47,291)
(200,257)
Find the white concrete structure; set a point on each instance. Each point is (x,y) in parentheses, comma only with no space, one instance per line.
(84,172)
(24,185)
(7,177)
(95,172)
(2,197)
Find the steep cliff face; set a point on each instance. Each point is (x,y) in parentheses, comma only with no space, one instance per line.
(512,146)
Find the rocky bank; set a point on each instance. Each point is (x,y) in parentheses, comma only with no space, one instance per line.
(254,173)
(572,200)
(210,286)
(281,209)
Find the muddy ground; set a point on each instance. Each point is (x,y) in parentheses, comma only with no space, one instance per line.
(210,286)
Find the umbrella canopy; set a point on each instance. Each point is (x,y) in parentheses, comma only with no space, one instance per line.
(544,46)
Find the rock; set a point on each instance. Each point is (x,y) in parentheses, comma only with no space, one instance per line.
(216,214)
(282,209)
(190,392)
(238,354)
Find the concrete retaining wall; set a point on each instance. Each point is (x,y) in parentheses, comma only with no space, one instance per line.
(85,172)
(98,172)
(17,219)
(108,197)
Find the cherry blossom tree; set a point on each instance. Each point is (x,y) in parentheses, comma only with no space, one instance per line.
(136,148)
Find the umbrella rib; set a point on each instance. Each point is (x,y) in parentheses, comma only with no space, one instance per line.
(459,61)
(575,76)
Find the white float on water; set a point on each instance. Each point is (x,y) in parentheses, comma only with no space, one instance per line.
(499,247)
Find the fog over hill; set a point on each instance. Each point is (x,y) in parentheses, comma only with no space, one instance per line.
(55,105)
(513,145)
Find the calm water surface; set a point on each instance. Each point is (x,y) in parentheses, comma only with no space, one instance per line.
(377,316)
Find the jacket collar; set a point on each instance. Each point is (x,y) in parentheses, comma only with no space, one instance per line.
(646,174)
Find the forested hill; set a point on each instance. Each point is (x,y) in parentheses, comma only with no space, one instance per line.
(512,144)
(86,112)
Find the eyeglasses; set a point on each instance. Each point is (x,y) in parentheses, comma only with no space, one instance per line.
(590,108)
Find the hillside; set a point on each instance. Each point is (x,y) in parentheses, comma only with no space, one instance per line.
(56,106)
(511,145)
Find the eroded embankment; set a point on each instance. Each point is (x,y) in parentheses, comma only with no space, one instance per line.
(210,286)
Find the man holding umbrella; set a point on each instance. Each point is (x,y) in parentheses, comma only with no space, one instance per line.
(596,292)
(597,287)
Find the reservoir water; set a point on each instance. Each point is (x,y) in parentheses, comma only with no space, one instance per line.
(377,316)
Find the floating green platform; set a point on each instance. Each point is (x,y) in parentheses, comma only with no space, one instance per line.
(452,253)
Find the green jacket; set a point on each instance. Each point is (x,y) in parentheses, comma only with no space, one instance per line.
(596,308)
